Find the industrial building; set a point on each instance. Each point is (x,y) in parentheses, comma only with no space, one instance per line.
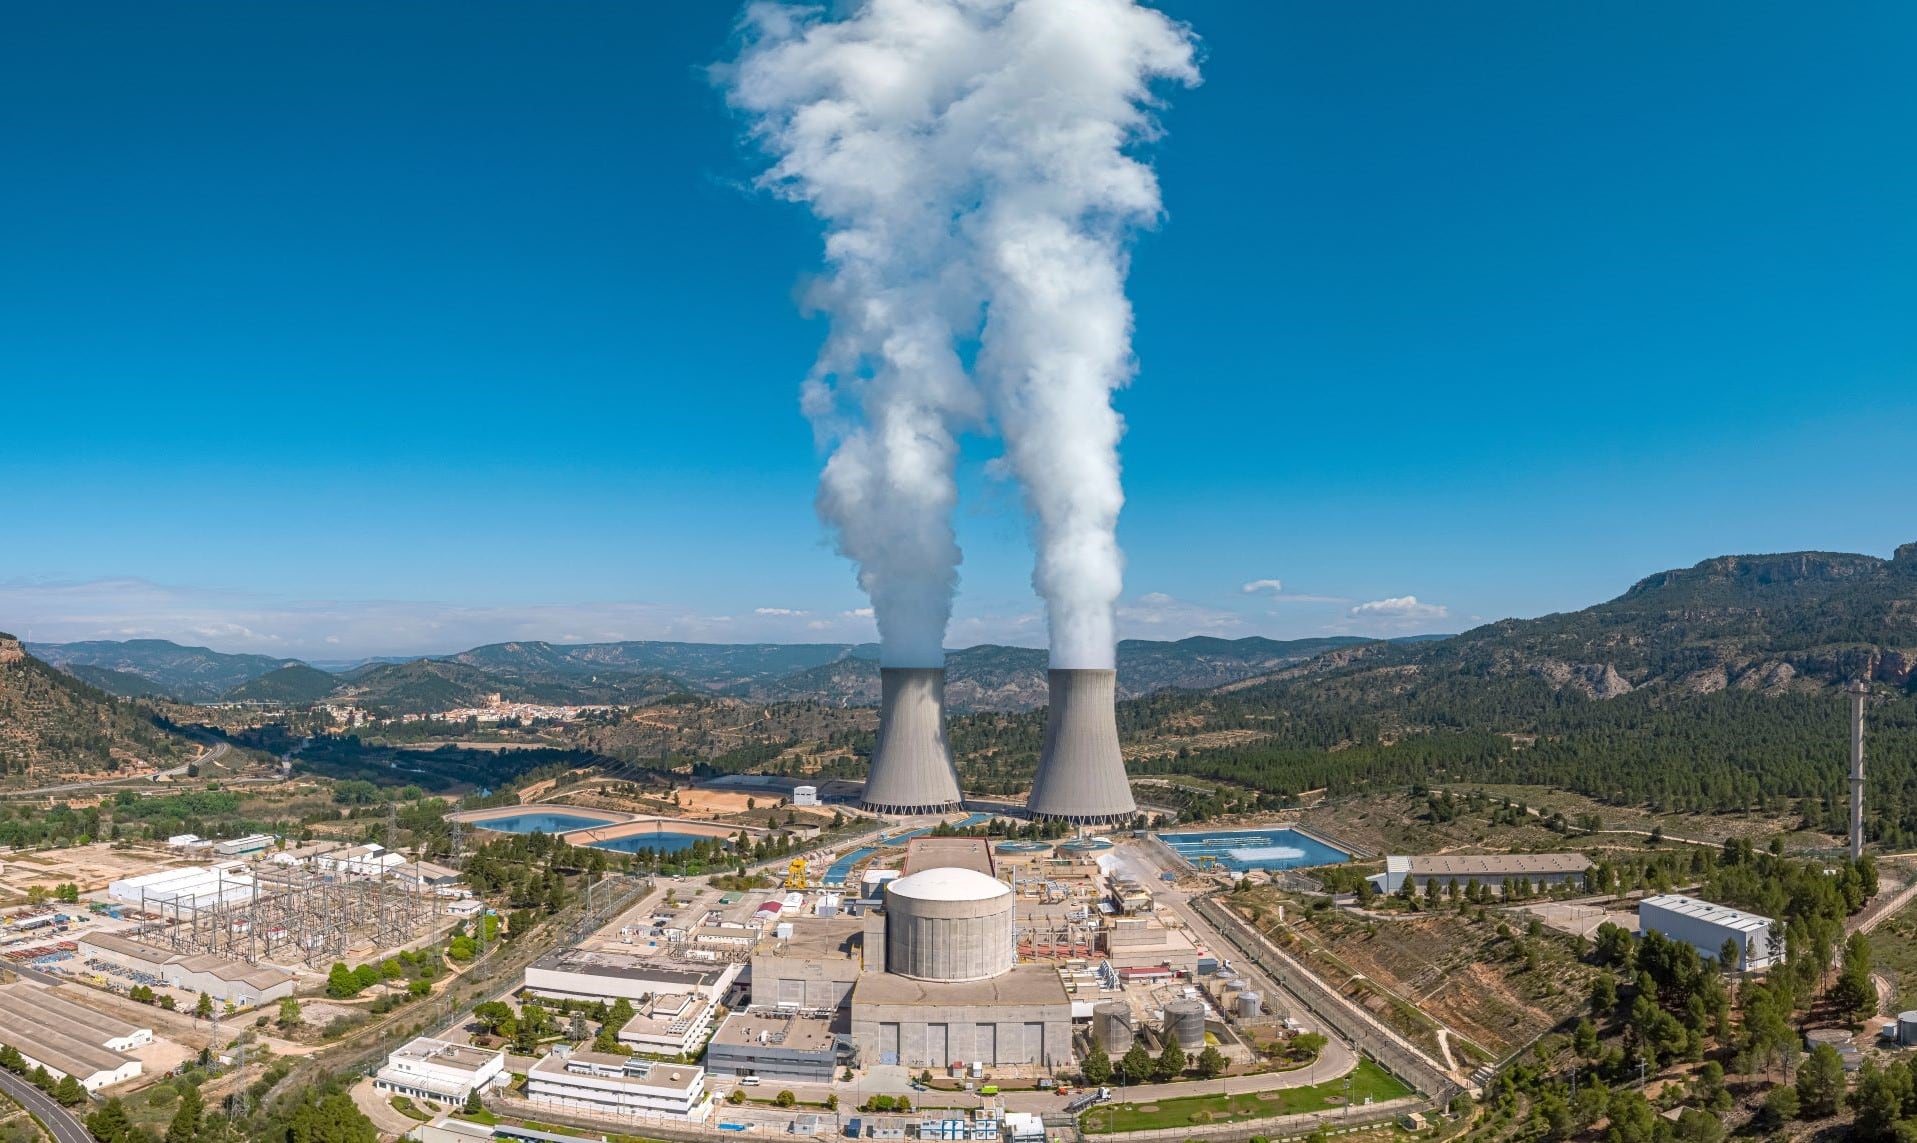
(430,877)
(912,770)
(1081,772)
(580,974)
(222,978)
(941,980)
(182,893)
(1491,870)
(929,976)
(814,967)
(241,846)
(602,1084)
(438,1071)
(69,1039)
(670,1024)
(805,795)
(780,1043)
(360,861)
(1705,927)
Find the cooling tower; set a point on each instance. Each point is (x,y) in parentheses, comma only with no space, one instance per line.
(912,770)
(1081,776)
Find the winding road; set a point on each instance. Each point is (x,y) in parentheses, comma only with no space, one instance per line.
(58,1120)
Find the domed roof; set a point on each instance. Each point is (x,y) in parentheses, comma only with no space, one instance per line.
(949,883)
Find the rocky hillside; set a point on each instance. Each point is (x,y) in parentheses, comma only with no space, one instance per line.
(52,724)
(1800,620)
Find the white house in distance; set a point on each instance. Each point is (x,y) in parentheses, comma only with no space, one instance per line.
(431,1069)
(1705,927)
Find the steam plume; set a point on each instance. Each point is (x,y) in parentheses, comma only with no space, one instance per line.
(969,160)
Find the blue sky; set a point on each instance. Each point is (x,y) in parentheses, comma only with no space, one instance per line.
(347,328)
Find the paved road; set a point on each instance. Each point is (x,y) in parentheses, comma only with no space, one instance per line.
(60,1121)
(217,750)
(1147,862)
(377,1106)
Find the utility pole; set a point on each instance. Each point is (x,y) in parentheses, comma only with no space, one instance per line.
(1859,691)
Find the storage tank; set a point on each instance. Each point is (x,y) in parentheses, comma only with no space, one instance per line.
(948,924)
(1185,1022)
(1112,1026)
(1907,1028)
(1250,1005)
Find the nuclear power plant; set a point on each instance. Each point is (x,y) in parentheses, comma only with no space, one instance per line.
(912,770)
(1081,774)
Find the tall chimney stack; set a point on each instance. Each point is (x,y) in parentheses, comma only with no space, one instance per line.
(1081,774)
(912,771)
(1858,693)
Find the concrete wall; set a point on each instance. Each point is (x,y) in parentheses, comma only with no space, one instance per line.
(994,1034)
(803,982)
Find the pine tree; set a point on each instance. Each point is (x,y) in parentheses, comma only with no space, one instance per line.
(1096,1065)
(1137,1064)
(1170,1064)
(185,1127)
(110,1124)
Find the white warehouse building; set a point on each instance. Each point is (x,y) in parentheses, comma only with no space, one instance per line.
(580,974)
(1705,927)
(182,892)
(600,1084)
(426,1068)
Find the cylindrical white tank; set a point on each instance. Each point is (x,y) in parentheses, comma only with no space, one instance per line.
(948,924)
(1250,1005)
(1185,1022)
(1907,1028)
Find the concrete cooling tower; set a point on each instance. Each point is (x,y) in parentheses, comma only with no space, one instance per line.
(1081,775)
(912,771)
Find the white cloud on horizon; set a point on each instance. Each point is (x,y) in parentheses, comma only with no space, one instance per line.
(1270,586)
(336,630)
(1402,607)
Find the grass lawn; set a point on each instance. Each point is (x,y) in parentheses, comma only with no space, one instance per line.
(1368,1079)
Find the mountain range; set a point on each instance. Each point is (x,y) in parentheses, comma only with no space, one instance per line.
(1694,651)
(987,677)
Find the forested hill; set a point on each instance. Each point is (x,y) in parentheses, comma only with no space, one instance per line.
(1799,621)
(998,678)
(1711,687)
(53,724)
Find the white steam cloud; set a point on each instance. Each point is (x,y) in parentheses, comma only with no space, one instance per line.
(969,159)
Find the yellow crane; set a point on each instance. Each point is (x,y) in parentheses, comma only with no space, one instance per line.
(795,874)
